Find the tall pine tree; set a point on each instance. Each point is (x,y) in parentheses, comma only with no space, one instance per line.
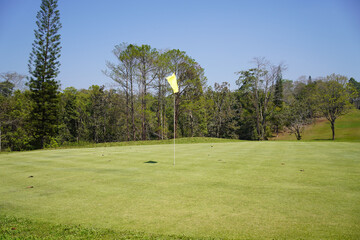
(277,115)
(43,69)
(278,95)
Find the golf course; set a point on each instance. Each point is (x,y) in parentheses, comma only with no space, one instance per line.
(223,190)
(191,120)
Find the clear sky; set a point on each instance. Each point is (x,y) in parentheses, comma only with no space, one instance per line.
(315,37)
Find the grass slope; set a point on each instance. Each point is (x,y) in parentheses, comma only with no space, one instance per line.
(347,128)
(242,190)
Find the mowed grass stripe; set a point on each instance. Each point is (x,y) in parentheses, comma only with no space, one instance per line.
(291,190)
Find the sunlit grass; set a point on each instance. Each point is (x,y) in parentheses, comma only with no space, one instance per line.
(347,128)
(245,190)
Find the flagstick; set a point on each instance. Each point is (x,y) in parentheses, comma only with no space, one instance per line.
(174,129)
(173,83)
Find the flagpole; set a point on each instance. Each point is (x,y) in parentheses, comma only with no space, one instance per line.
(173,83)
(174,129)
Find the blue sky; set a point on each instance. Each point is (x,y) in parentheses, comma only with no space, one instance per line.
(316,37)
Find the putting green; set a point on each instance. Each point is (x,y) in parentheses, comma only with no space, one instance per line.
(291,190)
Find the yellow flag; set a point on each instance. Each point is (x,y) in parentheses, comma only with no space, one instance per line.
(173,83)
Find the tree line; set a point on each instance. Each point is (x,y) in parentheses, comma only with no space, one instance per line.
(141,107)
(262,106)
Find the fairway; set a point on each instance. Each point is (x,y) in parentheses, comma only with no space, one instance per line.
(243,190)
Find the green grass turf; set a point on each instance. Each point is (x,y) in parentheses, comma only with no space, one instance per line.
(148,142)
(243,190)
(347,128)
(17,228)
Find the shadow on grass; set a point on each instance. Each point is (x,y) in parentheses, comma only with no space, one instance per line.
(151,162)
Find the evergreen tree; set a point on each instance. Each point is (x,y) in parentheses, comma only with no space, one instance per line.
(43,69)
(6,88)
(309,80)
(278,95)
(277,115)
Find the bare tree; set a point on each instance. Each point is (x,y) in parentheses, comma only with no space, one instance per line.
(15,78)
(221,99)
(160,85)
(124,73)
(146,57)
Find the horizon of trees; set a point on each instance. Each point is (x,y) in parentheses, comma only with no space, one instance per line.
(141,108)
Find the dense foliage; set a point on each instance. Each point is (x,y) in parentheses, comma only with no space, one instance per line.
(99,115)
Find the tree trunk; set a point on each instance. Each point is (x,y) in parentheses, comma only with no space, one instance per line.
(163,120)
(144,132)
(132,109)
(176,113)
(191,124)
(333,129)
(257,110)
(127,111)
(260,123)
(298,134)
(258,130)
(158,113)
